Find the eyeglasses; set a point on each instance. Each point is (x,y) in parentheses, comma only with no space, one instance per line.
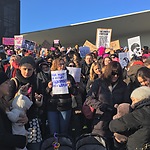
(115,73)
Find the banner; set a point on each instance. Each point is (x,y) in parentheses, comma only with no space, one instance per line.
(18,39)
(115,45)
(90,45)
(75,72)
(59,79)
(134,45)
(103,37)
(8,41)
(124,59)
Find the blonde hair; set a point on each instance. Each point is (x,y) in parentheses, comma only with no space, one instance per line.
(55,64)
(92,73)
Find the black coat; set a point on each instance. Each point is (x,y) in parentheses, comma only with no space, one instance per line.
(135,125)
(61,102)
(8,141)
(32,112)
(103,99)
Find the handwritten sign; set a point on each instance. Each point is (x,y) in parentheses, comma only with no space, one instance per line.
(115,45)
(8,41)
(75,72)
(59,79)
(103,37)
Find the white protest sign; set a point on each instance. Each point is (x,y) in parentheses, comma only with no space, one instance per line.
(134,45)
(18,39)
(75,72)
(84,50)
(124,59)
(103,37)
(59,80)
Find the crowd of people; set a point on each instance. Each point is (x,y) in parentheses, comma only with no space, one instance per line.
(104,85)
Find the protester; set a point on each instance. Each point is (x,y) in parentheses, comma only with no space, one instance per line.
(136,125)
(59,106)
(25,76)
(143,76)
(104,94)
(95,72)
(8,141)
(85,67)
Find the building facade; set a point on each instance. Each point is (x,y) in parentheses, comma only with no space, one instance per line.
(9,18)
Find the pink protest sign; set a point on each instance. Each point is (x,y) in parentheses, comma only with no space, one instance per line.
(8,41)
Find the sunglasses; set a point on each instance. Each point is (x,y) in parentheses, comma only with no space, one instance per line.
(115,73)
(71,66)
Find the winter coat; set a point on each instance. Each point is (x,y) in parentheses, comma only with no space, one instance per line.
(102,97)
(85,71)
(32,112)
(61,102)
(8,141)
(135,125)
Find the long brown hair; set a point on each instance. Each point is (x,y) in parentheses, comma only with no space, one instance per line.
(113,66)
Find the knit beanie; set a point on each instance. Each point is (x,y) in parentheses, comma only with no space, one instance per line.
(3,77)
(141,93)
(27,60)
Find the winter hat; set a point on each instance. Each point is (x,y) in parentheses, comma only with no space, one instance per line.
(27,60)
(101,51)
(3,77)
(141,93)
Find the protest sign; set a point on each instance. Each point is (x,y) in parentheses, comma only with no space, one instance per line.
(90,45)
(8,41)
(124,59)
(134,45)
(115,45)
(28,45)
(103,37)
(46,44)
(84,50)
(18,39)
(75,72)
(59,79)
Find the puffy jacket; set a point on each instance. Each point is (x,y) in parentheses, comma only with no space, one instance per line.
(135,125)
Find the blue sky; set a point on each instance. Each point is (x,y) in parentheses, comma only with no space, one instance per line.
(46,14)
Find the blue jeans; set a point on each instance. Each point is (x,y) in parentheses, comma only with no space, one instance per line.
(59,121)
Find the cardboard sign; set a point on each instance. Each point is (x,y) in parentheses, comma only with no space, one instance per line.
(59,79)
(103,37)
(8,41)
(90,45)
(134,45)
(124,59)
(75,72)
(115,45)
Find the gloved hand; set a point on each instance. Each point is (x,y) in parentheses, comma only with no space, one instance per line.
(105,107)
